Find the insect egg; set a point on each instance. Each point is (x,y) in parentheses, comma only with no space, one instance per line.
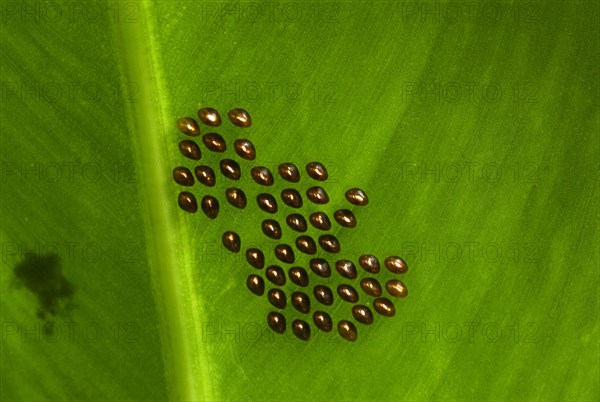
(277,298)
(205,175)
(236,197)
(262,175)
(301,302)
(317,171)
(318,195)
(289,172)
(291,197)
(284,253)
(183,176)
(256,284)
(239,117)
(231,241)
(347,330)
(301,329)
(215,142)
(255,257)
(320,220)
(190,149)
(276,322)
(187,202)
(323,321)
(371,287)
(271,228)
(210,206)
(296,222)
(357,197)
(188,126)
(209,116)
(299,276)
(230,169)
(245,149)
(276,275)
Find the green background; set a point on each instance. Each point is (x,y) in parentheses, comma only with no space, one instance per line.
(474,132)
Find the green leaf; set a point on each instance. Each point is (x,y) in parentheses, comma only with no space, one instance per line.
(472,128)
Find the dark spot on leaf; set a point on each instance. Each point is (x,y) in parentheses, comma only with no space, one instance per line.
(42,275)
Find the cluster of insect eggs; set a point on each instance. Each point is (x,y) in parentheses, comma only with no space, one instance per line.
(271,228)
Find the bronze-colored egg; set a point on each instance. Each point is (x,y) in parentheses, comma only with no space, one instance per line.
(210,206)
(301,329)
(187,202)
(323,321)
(256,284)
(205,175)
(396,265)
(345,217)
(306,244)
(347,330)
(320,267)
(232,241)
(396,288)
(267,203)
(236,197)
(370,263)
(323,294)
(301,302)
(320,220)
(299,276)
(317,171)
(239,117)
(277,298)
(357,197)
(284,253)
(347,293)
(346,268)
(271,228)
(318,195)
(384,307)
(362,314)
(245,149)
(215,142)
(209,116)
(188,126)
(230,169)
(289,172)
(190,149)
(276,275)
(371,286)
(183,176)
(329,243)
(296,222)
(291,197)
(255,257)
(262,175)
(276,322)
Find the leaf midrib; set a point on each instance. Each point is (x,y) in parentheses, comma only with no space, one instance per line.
(139,60)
